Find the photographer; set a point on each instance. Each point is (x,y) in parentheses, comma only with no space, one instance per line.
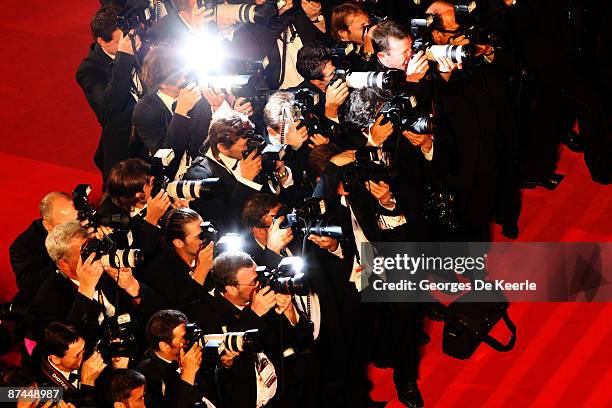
(111,83)
(223,157)
(29,258)
(173,114)
(350,23)
(129,195)
(169,369)
(412,157)
(63,364)
(268,244)
(81,290)
(314,63)
(476,122)
(239,304)
(179,273)
(283,127)
(392,45)
(367,212)
(124,388)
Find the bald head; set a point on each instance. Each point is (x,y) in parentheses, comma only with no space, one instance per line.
(445,13)
(56,208)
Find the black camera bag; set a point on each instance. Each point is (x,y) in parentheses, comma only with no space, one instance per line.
(467,323)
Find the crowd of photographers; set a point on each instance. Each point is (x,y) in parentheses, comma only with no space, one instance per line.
(247,151)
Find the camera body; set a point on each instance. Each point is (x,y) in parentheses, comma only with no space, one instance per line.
(117,338)
(159,169)
(139,18)
(86,211)
(371,163)
(287,278)
(310,217)
(402,111)
(303,110)
(209,233)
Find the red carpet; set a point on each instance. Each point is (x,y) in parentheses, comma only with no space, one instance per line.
(562,357)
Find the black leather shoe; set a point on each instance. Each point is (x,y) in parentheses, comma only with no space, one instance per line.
(573,141)
(410,395)
(549,183)
(510,231)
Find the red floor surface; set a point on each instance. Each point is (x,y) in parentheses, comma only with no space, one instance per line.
(562,357)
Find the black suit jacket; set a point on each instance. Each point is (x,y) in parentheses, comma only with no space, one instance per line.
(225,208)
(237,384)
(107,84)
(159,128)
(177,393)
(169,276)
(58,299)
(30,261)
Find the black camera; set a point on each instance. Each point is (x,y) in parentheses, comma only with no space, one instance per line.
(208,232)
(139,18)
(402,111)
(303,110)
(107,252)
(159,169)
(310,217)
(86,210)
(371,163)
(270,154)
(287,278)
(243,342)
(117,338)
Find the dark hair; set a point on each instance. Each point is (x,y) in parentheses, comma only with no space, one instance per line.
(364,104)
(126,179)
(273,111)
(120,383)
(104,23)
(175,223)
(163,64)
(311,60)
(160,326)
(227,129)
(57,338)
(340,14)
(385,30)
(226,267)
(256,207)
(319,157)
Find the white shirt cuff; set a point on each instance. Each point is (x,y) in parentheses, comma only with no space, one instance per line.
(428,155)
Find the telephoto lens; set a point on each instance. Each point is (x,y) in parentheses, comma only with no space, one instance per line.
(390,79)
(189,189)
(459,54)
(123,258)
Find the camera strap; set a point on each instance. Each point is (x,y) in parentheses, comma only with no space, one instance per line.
(56,376)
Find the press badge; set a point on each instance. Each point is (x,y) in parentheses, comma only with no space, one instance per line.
(266,374)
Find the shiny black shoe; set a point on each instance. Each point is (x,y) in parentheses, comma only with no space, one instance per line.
(573,141)
(410,395)
(510,231)
(549,183)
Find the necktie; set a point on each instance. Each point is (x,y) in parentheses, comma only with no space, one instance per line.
(73,377)
(173,106)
